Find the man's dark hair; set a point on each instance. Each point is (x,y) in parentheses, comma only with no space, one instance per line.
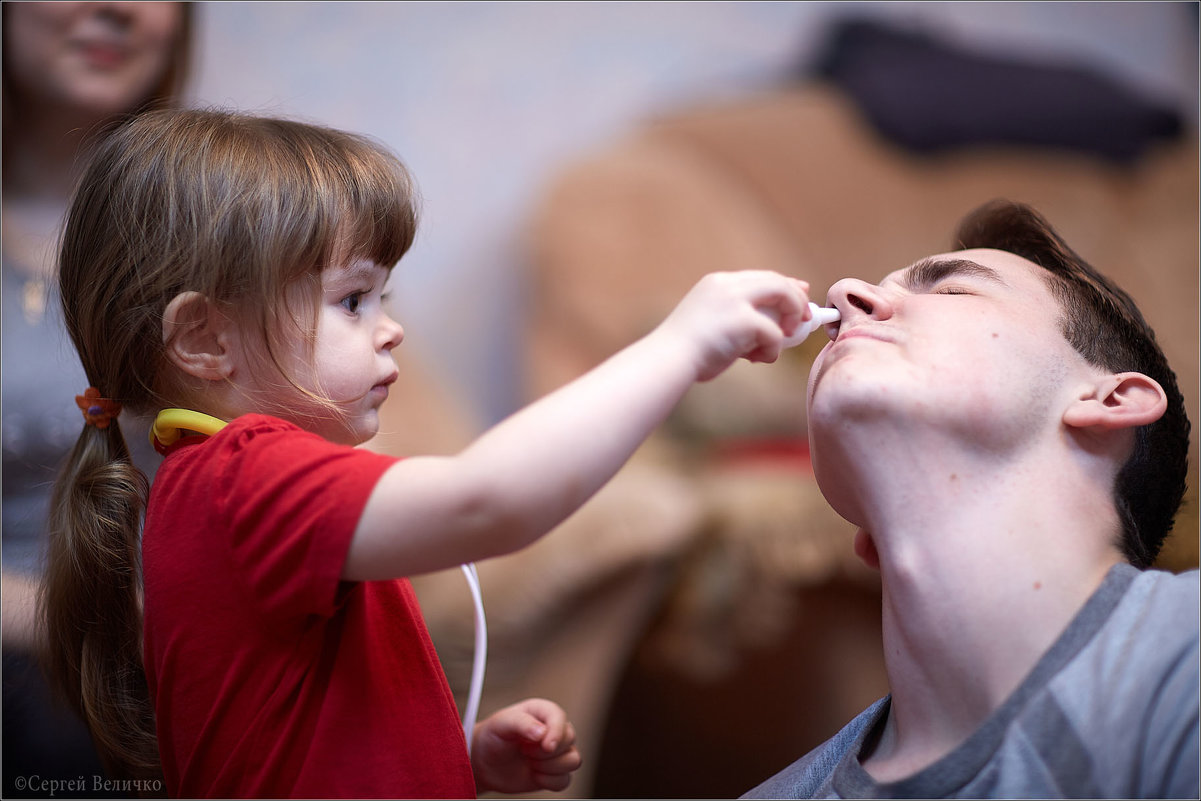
(1104,325)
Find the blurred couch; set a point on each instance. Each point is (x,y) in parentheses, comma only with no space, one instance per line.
(703,619)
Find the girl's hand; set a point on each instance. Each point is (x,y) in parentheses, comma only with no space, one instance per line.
(734,315)
(525,747)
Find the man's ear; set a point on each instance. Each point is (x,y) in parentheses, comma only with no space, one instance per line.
(1118,400)
(198,337)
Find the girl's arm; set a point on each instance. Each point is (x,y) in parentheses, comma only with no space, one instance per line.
(530,472)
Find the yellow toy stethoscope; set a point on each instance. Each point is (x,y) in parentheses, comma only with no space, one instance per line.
(169,425)
(168,428)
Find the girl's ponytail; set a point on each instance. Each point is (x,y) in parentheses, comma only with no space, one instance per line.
(91,600)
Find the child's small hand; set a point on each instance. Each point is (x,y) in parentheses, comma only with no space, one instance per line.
(733,315)
(525,747)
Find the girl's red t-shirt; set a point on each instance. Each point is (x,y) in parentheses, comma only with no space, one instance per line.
(272,677)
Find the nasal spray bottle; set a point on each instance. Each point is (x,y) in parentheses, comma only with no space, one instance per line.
(822,315)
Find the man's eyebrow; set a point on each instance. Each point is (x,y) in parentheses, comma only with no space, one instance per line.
(930,271)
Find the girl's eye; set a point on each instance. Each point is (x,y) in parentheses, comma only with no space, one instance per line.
(351,302)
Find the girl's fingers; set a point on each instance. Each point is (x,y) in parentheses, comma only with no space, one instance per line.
(542,749)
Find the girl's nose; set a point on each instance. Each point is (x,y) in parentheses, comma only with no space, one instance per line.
(391,334)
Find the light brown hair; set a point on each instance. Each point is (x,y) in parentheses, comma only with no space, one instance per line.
(238,208)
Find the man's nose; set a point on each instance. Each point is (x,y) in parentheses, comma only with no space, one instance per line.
(856,298)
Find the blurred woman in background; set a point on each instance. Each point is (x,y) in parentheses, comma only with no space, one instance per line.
(71,70)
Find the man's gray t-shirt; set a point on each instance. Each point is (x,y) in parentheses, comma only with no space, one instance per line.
(1111,710)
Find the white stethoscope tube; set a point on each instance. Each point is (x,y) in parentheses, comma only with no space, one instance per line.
(481,654)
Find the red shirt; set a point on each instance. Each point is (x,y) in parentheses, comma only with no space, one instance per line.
(272,677)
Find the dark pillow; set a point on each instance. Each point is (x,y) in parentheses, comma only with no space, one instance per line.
(929,96)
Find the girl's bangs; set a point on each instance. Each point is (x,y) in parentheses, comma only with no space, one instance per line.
(377,217)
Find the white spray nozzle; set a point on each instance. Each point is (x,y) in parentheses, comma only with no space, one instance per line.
(821,316)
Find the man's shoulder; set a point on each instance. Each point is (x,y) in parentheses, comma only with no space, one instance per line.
(1152,625)
(1131,697)
(811,776)
(1165,601)
(1179,580)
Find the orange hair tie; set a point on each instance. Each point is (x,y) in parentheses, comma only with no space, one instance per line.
(97,411)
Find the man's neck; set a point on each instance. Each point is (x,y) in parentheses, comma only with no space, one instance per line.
(978,581)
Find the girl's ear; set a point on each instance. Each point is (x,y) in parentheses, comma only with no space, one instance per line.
(198,337)
(1116,401)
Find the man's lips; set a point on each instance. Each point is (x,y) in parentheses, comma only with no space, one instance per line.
(863,332)
(834,352)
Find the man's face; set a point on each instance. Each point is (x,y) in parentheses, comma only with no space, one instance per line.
(965,346)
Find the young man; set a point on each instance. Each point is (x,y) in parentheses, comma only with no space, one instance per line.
(1003,428)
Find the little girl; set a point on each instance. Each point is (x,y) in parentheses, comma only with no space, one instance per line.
(259,639)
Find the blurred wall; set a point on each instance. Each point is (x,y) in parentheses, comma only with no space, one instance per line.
(484,100)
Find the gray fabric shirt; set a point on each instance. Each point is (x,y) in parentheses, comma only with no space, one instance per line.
(1111,710)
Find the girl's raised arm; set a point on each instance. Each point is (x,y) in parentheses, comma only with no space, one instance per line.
(531,471)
